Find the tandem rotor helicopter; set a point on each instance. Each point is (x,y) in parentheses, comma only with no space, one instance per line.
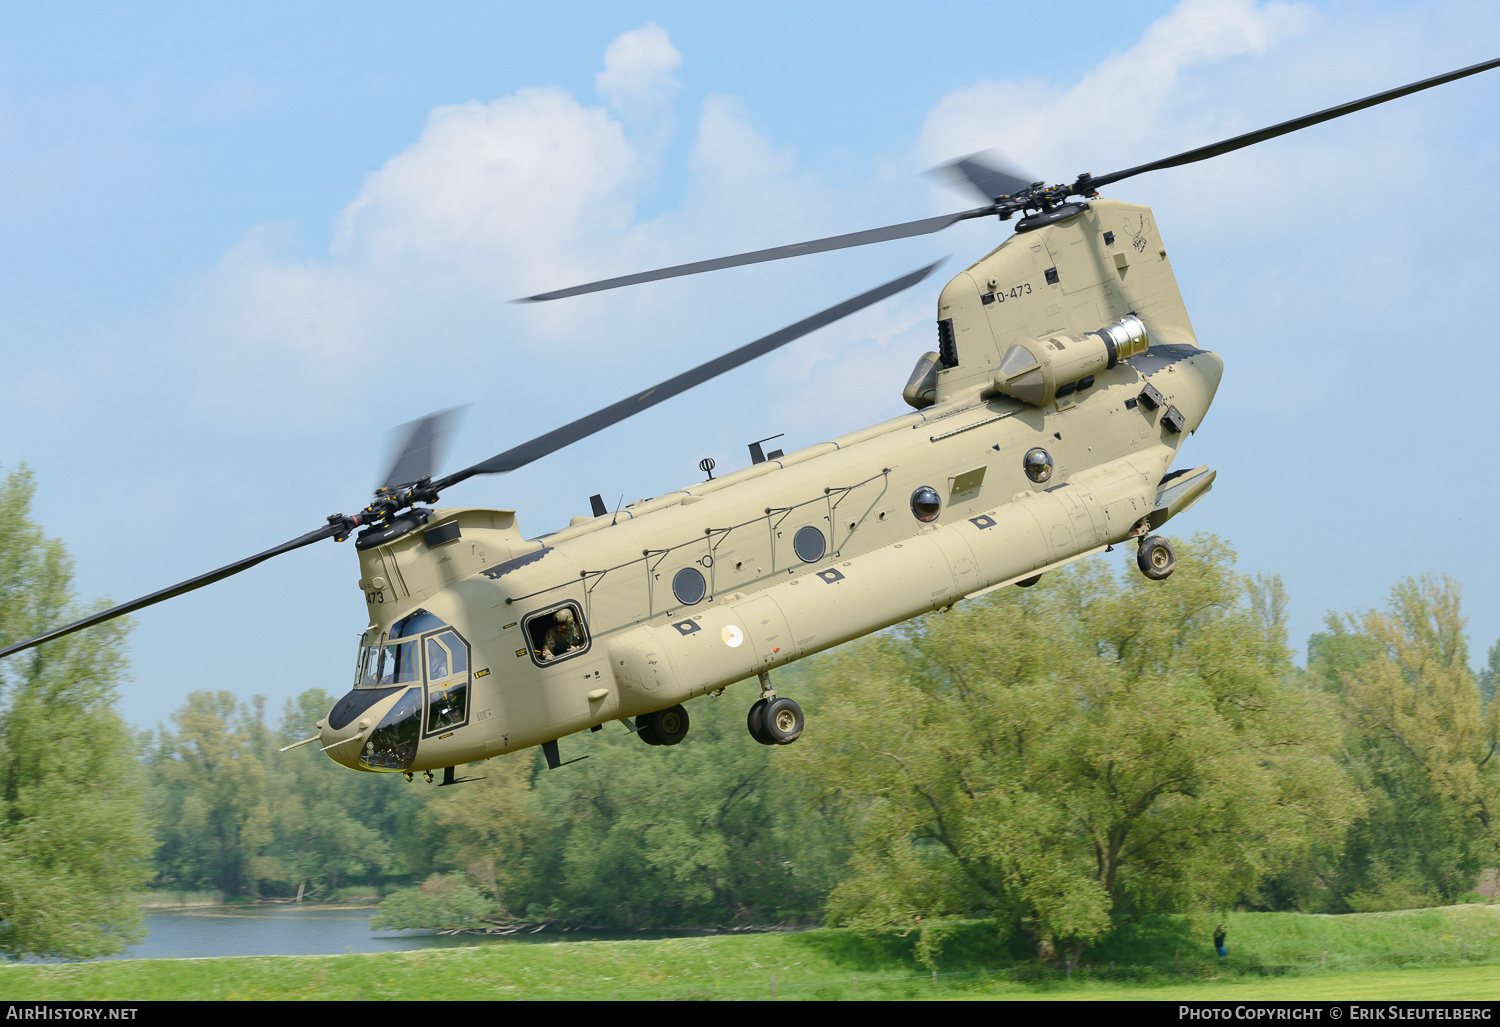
(1044,428)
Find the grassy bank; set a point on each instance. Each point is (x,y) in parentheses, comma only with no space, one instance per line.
(1447,953)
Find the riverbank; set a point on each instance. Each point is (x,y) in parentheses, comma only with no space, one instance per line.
(196,899)
(1438,953)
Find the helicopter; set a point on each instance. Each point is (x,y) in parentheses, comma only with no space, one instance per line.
(1044,429)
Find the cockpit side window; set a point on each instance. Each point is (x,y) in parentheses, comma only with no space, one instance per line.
(557,633)
(447,681)
(438,660)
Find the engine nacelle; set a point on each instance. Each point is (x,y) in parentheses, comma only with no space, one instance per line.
(1037,371)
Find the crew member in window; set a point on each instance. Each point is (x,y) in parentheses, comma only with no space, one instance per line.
(563,636)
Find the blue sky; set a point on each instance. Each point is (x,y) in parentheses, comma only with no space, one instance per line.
(238,244)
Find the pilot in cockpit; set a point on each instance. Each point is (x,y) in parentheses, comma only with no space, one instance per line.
(563,636)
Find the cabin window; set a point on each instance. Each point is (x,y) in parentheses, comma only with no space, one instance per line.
(926,504)
(809,544)
(689,587)
(1038,464)
(557,633)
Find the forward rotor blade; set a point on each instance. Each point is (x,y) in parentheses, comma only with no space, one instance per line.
(568,434)
(420,452)
(983,173)
(1260,136)
(327,531)
(905,230)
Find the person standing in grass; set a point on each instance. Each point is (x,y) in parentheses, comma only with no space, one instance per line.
(1219,936)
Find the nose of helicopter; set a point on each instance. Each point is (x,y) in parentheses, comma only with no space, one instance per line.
(358,724)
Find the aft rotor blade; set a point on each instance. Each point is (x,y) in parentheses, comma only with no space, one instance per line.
(984,173)
(420,452)
(1307,121)
(568,434)
(905,230)
(327,531)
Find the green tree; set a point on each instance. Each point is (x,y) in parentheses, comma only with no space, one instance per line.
(483,826)
(1489,676)
(1073,756)
(72,841)
(1421,744)
(445,902)
(715,830)
(213,817)
(329,822)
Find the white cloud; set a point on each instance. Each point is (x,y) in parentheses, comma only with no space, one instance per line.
(510,184)
(1041,125)
(637,79)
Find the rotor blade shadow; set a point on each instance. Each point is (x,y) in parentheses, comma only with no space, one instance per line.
(568,434)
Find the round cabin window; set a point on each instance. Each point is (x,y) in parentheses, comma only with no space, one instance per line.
(1038,464)
(926,504)
(688,586)
(809,544)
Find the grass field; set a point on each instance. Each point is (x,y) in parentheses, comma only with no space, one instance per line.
(1451,953)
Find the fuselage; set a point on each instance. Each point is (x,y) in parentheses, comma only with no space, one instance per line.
(497,643)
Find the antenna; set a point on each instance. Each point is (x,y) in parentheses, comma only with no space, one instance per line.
(758,455)
(707,465)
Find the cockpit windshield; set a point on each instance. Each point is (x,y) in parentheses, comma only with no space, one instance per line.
(395,662)
(426,663)
(390,664)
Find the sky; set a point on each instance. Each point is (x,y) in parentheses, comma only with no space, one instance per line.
(241,243)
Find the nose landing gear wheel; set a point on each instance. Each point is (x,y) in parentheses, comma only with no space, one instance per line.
(1156,558)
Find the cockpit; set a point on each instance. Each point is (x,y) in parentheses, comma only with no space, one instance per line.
(427,662)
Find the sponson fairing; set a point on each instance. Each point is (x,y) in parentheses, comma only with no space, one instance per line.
(685,593)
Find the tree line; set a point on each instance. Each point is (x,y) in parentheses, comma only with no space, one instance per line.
(1063,761)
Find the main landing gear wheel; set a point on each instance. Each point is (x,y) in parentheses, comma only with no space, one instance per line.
(664,727)
(753,722)
(1028,582)
(1156,558)
(782,721)
(775,721)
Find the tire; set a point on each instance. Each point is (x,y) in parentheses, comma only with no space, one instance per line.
(670,726)
(1156,558)
(754,723)
(645,728)
(782,721)
(1028,582)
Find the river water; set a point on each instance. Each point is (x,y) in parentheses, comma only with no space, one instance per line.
(308,929)
(274,930)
